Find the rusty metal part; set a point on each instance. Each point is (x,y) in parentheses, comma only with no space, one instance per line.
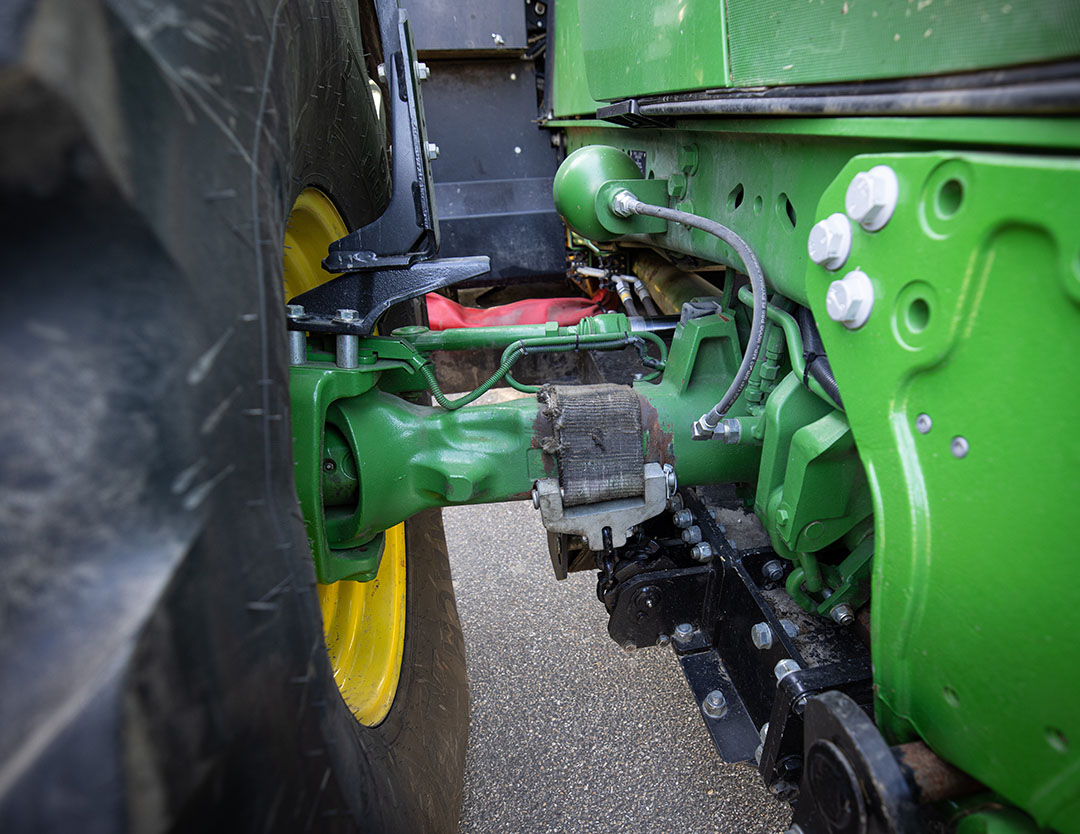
(670,286)
(932,778)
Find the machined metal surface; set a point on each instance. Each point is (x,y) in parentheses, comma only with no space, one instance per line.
(617,515)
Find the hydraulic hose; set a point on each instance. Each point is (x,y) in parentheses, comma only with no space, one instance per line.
(625,204)
(546,344)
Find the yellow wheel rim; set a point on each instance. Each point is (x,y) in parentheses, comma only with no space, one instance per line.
(364,622)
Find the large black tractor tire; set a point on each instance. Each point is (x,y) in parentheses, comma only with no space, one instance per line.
(162,661)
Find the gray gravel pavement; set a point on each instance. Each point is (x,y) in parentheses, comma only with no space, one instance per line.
(568,732)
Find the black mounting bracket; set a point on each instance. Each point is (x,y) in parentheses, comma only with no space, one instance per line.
(851,782)
(375,291)
(408,230)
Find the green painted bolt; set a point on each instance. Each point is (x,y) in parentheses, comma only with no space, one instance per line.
(688,158)
(783,516)
(676,186)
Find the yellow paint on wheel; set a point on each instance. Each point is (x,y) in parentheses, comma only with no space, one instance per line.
(364,622)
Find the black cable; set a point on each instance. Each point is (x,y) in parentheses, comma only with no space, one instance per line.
(817,363)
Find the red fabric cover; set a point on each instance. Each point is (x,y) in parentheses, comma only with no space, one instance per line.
(444,314)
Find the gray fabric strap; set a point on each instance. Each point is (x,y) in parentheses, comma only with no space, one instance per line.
(597,441)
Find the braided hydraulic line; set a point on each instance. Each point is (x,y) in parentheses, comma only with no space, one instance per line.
(625,204)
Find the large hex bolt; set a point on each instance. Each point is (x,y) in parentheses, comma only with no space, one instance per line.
(683,632)
(297,339)
(715,704)
(682,519)
(829,243)
(348,346)
(784,668)
(761,634)
(773,570)
(850,300)
(432,151)
(692,534)
(702,552)
(871,197)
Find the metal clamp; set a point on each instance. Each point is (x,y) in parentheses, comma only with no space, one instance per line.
(589,520)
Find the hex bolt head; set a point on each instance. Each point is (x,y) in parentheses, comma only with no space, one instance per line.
(662,640)
(871,197)
(850,300)
(380,70)
(683,632)
(536,498)
(784,668)
(347,315)
(294,311)
(923,424)
(842,614)
(675,503)
(682,519)
(790,628)
(702,552)
(761,635)
(715,704)
(423,71)
(959,447)
(829,242)
(692,534)
(432,151)
(773,570)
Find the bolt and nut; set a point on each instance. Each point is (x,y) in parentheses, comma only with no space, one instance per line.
(829,243)
(842,614)
(702,552)
(423,71)
(715,704)
(536,498)
(432,151)
(773,570)
(850,300)
(297,339)
(675,503)
(348,346)
(872,196)
(683,632)
(692,534)
(923,424)
(662,640)
(682,518)
(959,447)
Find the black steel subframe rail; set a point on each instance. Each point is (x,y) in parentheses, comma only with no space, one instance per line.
(721,655)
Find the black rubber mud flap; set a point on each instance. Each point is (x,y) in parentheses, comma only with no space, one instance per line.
(161,653)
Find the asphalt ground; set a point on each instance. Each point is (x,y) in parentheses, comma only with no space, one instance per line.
(568,732)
